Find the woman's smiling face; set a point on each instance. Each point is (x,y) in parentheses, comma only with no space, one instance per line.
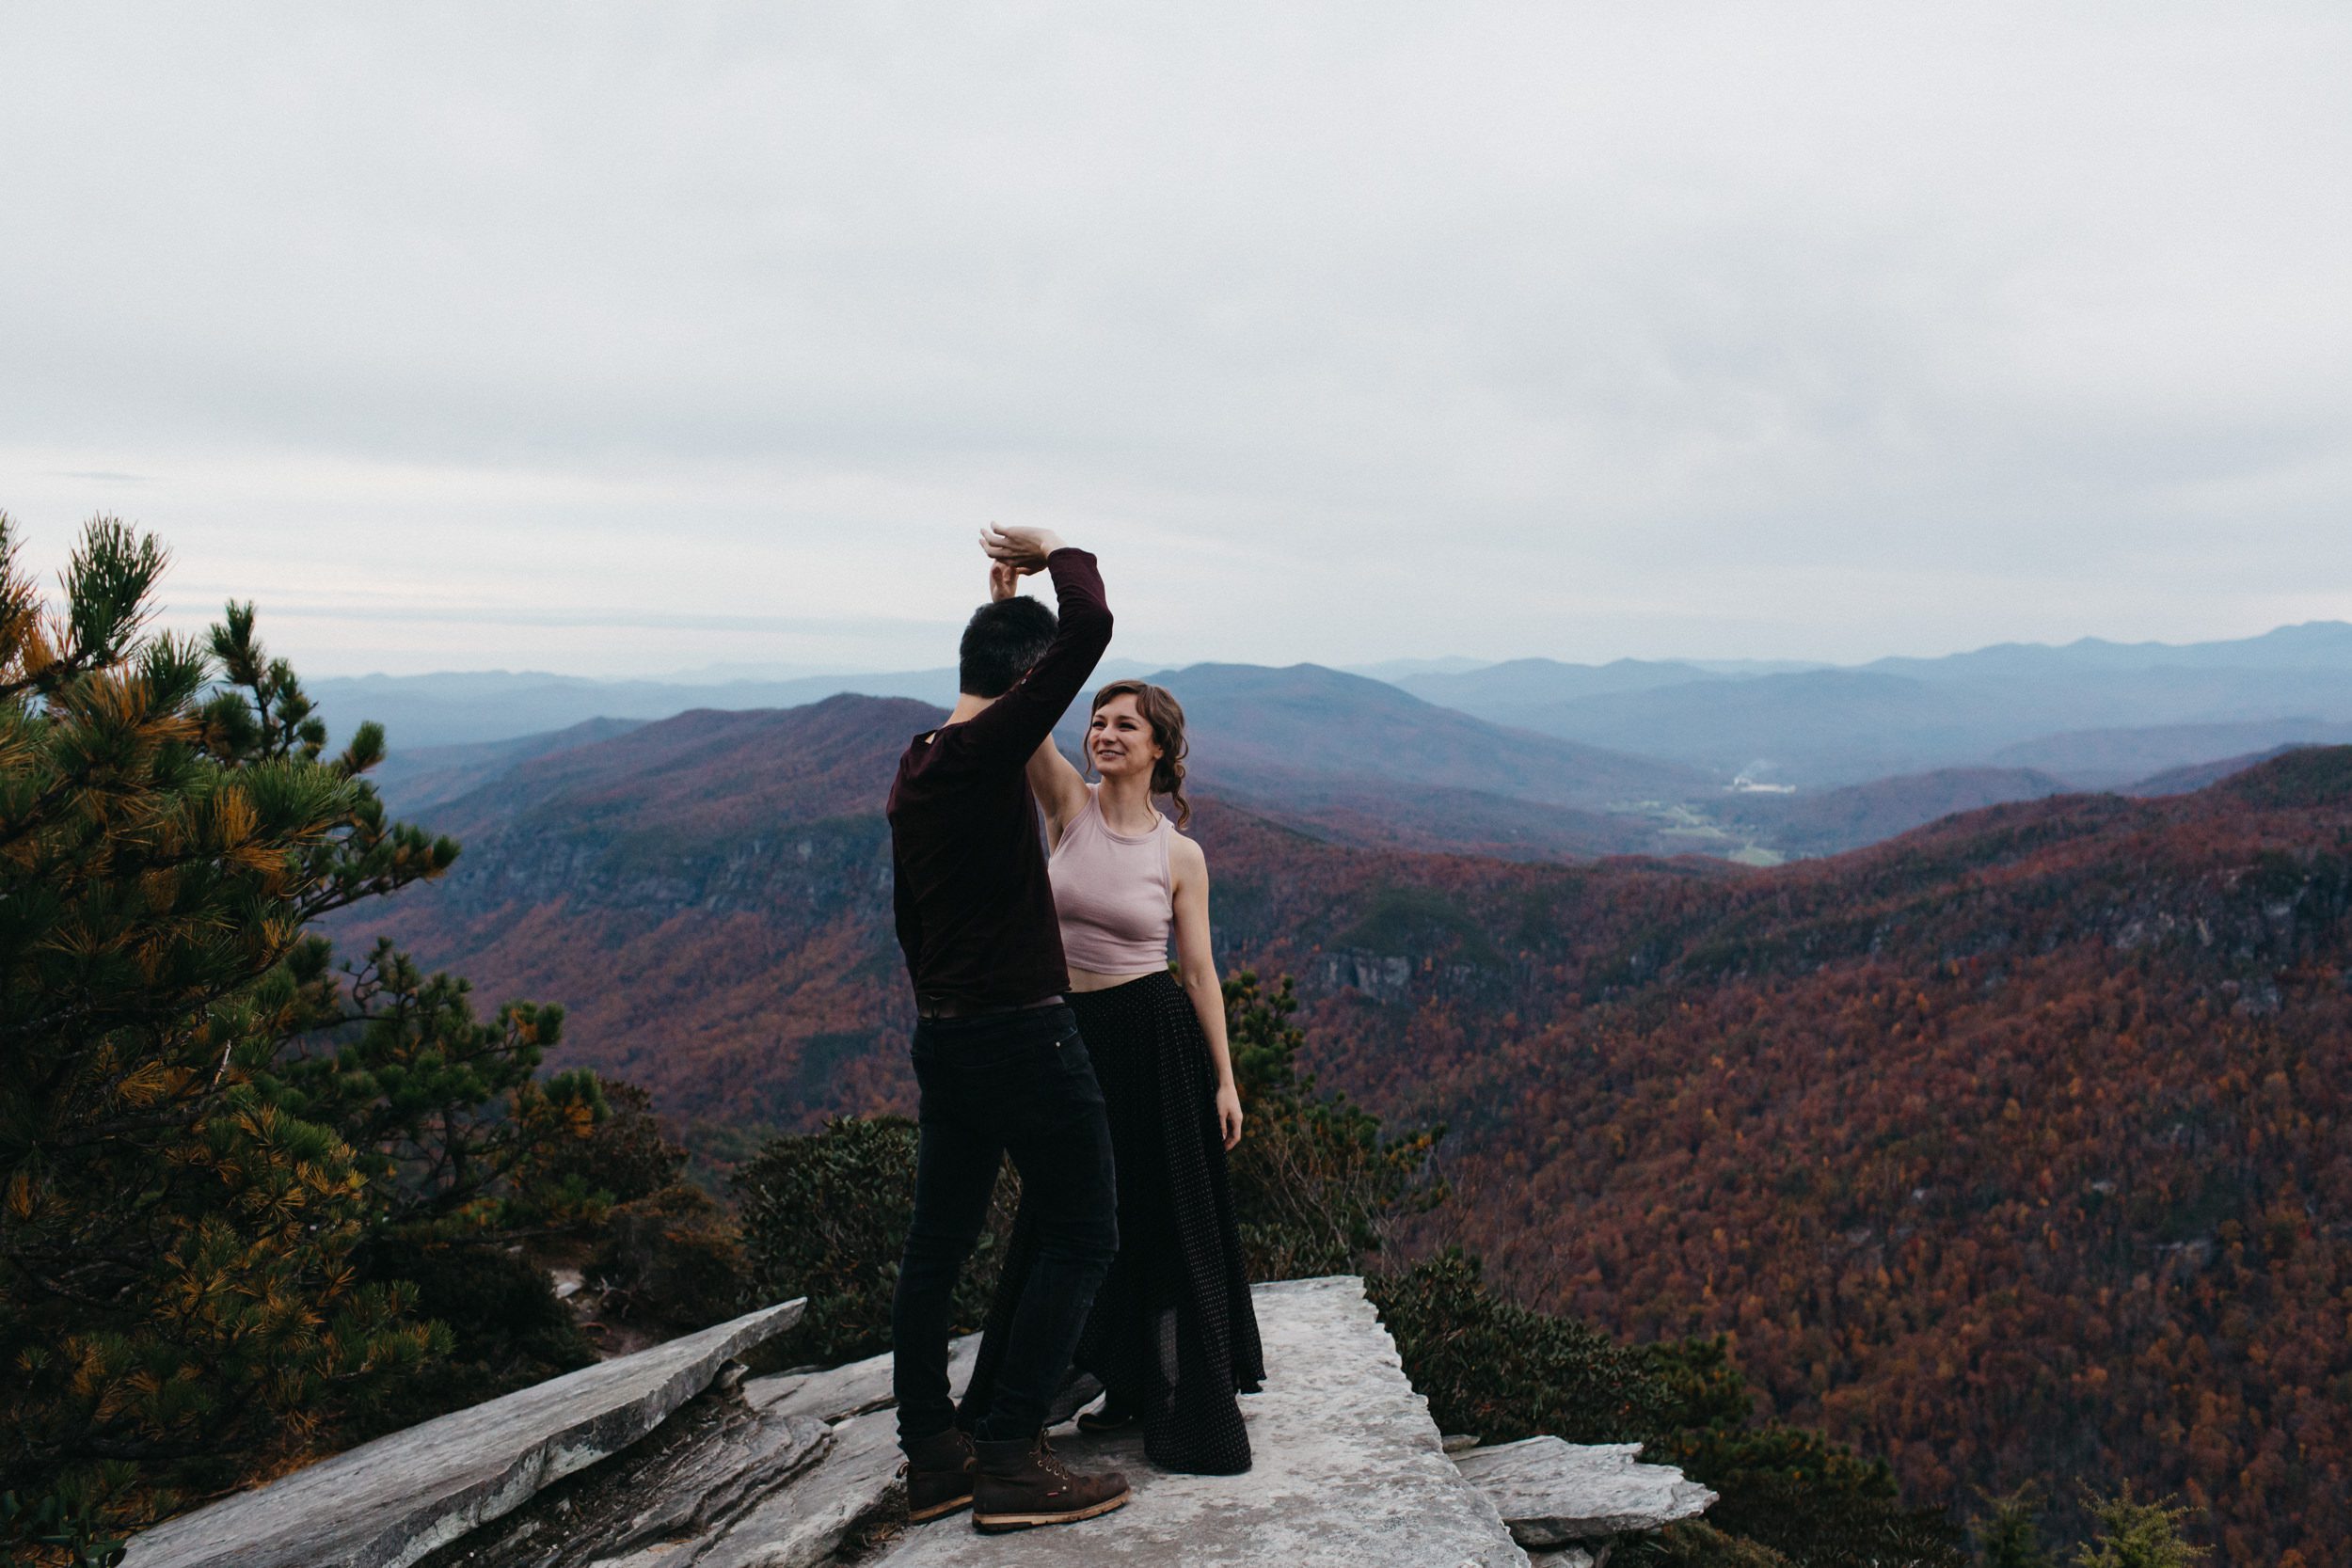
(1119,740)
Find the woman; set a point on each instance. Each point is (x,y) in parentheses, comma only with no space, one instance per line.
(1172,1336)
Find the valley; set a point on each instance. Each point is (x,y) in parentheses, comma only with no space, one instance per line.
(2014,1145)
(2000,1124)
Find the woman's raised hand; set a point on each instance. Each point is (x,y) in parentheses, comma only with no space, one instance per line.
(1003,581)
(1023,549)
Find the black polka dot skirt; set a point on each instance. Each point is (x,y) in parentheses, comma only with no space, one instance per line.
(1172,1336)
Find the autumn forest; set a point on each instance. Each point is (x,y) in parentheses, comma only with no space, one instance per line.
(2011,1150)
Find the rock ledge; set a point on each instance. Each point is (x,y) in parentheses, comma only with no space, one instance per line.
(387,1503)
(1555,1494)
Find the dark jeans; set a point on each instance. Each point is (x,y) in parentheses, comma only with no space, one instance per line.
(1017,1083)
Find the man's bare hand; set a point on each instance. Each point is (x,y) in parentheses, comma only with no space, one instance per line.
(1023,549)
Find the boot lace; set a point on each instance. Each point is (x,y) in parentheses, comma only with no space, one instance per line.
(1051,1463)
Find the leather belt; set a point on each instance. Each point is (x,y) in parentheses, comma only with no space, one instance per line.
(949,1009)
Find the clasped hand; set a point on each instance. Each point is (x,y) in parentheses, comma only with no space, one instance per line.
(1014,553)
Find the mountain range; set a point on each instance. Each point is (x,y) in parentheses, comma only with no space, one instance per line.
(1537,759)
(2051,709)
(2013,1147)
(483,707)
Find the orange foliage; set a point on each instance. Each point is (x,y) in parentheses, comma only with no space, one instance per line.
(2016,1149)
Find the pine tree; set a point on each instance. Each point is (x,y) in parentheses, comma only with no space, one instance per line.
(211,1136)
(173,1276)
(2136,1534)
(2008,1535)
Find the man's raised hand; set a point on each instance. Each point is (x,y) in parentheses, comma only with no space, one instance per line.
(1023,549)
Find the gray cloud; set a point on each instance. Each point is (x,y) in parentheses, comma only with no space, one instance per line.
(1343,332)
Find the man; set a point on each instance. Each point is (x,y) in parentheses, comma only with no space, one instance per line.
(997,1057)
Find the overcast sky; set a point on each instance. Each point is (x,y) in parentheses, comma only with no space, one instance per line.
(635,339)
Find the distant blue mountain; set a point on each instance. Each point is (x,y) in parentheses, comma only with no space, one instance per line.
(1829,727)
(1259,733)
(471,707)
(1543,681)
(1544,757)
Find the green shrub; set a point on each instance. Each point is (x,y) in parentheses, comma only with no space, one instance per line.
(2136,1534)
(1502,1372)
(2009,1533)
(506,1330)
(624,1157)
(671,1263)
(825,1214)
(1790,1488)
(1315,1186)
(1696,1544)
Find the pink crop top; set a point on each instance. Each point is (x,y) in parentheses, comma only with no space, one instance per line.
(1114,894)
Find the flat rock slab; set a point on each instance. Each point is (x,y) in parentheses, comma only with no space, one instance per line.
(1553,1493)
(851,1389)
(801,1525)
(657,1506)
(859,1387)
(707,1466)
(1349,1473)
(387,1503)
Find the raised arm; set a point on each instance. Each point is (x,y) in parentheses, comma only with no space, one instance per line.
(1060,789)
(1196,966)
(1010,729)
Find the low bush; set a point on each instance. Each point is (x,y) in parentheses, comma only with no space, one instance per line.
(1696,1544)
(1316,1187)
(1790,1488)
(824,1216)
(1501,1372)
(671,1263)
(505,1328)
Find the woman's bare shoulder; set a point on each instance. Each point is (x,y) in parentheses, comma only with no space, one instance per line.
(1185,854)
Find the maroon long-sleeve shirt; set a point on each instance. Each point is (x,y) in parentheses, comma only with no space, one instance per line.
(976,912)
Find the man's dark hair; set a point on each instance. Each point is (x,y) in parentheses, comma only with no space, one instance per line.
(1000,643)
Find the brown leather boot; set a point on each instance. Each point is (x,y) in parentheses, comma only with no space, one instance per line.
(939,1475)
(1022,1485)
(1115,1416)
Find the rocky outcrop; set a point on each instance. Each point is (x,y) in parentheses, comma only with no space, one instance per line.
(387,1503)
(776,1473)
(714,1462)
(680,1465)
(847,1390)
(1556,1494)
(1348,1472)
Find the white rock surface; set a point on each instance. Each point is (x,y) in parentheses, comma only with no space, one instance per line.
(1349,1472)
(701,1470)
(1553,1494)
(848,1390)
(1569,1556)
(389,1502)
(801,1525)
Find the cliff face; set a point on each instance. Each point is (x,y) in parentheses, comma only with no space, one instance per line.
(796,876)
